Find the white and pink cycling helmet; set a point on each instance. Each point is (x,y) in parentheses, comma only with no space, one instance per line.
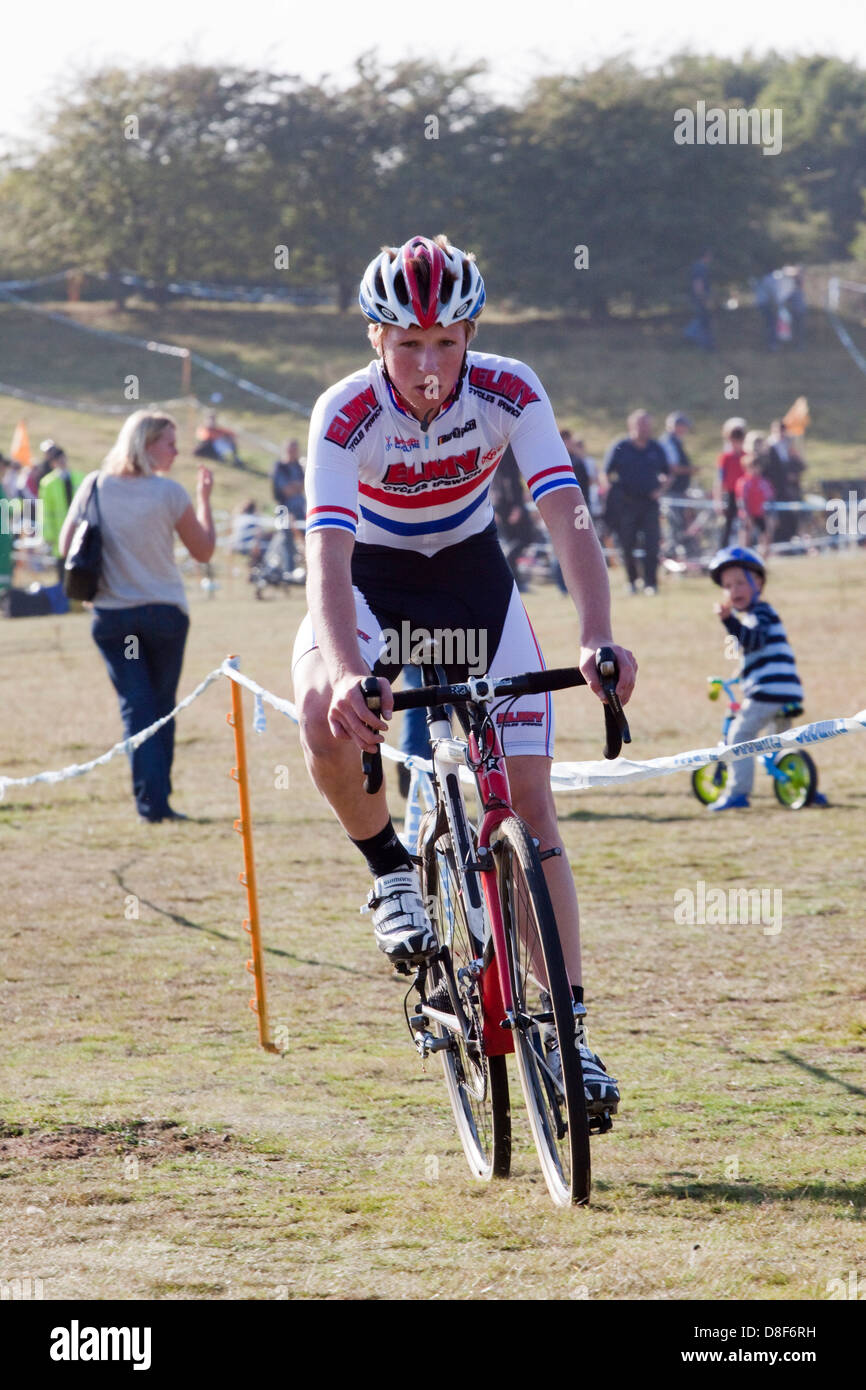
(393,292)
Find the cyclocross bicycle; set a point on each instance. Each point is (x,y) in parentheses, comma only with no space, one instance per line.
(794,774)
(497,983)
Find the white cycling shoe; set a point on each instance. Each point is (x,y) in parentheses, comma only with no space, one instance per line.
(600,1090)
(401,923)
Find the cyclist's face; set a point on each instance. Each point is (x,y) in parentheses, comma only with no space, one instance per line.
(424,363)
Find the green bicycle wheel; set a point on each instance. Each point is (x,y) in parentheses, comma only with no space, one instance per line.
(800,780)
(709,782)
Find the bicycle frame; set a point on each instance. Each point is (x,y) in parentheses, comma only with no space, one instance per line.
(486,763)
(768,760)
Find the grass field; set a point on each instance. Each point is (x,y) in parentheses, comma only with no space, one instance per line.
(149,1149)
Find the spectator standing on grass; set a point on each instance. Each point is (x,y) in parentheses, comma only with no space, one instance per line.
(140,612)
(677,427)
(8,479)
(56,491)
(753,493)
(637,469)
(729,470)
(783,469)
(287,481)
(585,472)
(700,329)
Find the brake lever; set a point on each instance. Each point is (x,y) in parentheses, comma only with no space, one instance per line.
(371,763)
(616,725)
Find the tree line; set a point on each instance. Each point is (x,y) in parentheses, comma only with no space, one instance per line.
(578,198)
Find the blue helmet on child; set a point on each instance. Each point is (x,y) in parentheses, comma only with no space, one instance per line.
(736,555)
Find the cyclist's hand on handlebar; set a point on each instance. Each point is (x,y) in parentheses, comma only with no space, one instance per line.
(349,717)
(627,670)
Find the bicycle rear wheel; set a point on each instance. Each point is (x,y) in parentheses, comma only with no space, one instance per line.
(477,1084)
(801,780)
(543,1005)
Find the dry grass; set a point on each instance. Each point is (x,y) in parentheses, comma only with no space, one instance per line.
(735,1168)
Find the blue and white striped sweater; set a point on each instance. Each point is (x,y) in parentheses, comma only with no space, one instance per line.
(769,671)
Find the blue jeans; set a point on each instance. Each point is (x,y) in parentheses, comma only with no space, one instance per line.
(145,673)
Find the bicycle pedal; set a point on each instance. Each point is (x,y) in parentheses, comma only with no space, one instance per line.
(600,1123)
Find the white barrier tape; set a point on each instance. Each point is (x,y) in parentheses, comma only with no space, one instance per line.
(706,504)
(125,746)
(847,341)
(580,776)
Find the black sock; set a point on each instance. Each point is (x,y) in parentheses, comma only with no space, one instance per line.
(577,993)
(384,852)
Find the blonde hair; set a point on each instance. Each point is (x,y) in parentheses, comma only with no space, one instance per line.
(130,452)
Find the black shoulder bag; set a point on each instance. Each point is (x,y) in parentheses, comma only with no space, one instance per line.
(84,558)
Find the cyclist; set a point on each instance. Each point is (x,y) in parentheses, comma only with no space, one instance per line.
(401,537)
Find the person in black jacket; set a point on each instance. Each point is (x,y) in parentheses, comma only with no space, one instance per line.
(638,471)
(677,426)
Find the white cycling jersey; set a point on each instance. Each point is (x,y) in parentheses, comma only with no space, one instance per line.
(374,472)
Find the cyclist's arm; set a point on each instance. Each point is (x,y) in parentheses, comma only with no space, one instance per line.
(585,575)
(545,464)
(332,609)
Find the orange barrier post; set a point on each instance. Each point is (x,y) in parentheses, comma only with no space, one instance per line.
(244,827)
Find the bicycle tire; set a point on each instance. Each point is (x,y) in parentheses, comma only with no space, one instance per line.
(802,780)
(556,1110)
(709,782)
(477,1083)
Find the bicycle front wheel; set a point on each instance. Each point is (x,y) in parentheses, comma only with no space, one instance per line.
(800,779)
(547,1058)
(709,782)
(477,1084)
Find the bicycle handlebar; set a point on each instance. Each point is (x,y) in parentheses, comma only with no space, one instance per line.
(617,731)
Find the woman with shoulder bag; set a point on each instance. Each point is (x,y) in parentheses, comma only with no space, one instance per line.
(140,617)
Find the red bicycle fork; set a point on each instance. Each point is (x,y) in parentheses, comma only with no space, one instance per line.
(496,996)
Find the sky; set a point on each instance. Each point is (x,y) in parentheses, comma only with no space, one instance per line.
(46,44)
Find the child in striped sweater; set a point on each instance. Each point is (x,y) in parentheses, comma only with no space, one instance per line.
(768,673)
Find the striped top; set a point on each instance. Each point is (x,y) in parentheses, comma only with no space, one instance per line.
(371,470)
(769,671)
